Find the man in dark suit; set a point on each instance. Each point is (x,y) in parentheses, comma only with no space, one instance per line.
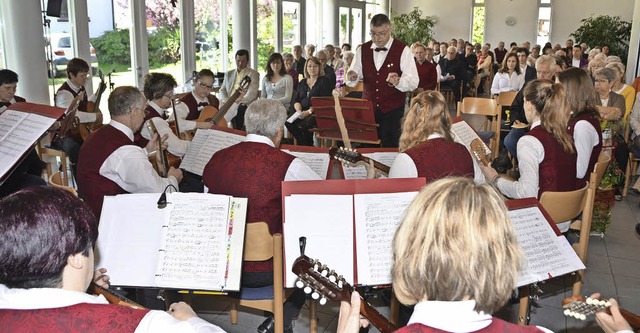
(453,72)
(577,60)
(528,71)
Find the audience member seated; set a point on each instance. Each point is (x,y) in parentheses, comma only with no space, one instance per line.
(485,65)
(594,66)
(110,163)
(500,52)
(471,61)
(255,169)
(309,50)
(523,61)
(333,61)
(314,84)
(231,83)
(621,88)
(289,68)
(277,84)
(455,263)
(426,70)
(298,59)
(508,77)
(341,72)
(577,60)
(453,72)
(47,250)
(329,73)
(634,137)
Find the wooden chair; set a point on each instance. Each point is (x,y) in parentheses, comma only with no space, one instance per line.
(51,156)
(505,98)
(489,121)
(346,89)
(57,180)
(476,84)
(632,164)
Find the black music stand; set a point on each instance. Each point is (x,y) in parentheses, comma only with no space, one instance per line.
(358,118)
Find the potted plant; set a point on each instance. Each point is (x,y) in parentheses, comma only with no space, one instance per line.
(606,188)
(605,29)
(412,27)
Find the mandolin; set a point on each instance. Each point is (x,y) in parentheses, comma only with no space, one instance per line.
(112,297)
(478,150)
(581,307)
(86,128)
(352,156)
(163,159)
(322,283)
(215,116)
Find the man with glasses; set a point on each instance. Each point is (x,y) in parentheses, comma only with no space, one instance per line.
(231,83)
(78,73)
(192,103)
(388,71)
(110,163)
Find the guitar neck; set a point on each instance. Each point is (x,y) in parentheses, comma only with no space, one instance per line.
(377,165)
(226,106)
(112,297)
(379,321)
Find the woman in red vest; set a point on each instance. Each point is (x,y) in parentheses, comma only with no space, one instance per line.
(546,157)
(458,262)
(427,148)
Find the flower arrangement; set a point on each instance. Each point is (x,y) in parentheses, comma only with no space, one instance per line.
(612,176)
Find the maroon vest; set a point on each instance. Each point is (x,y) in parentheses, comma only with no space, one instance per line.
(255,171)
(192,104)
(19,99)
(78,318)
(95,150)
(596,150)
(497,325)
(439,158)
(83,103)
(557,171)
(428,75)
(376,88)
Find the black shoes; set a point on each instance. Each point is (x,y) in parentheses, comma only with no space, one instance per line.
(638,229)
(635,191)
(268,325)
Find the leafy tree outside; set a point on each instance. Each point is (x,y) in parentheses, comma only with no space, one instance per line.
(478,25)
(605,29)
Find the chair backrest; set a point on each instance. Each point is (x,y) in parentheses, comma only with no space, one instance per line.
(346,89)
(564,206)
(479,106)
(57,180)
(601,165)
(505,98)
(258,242)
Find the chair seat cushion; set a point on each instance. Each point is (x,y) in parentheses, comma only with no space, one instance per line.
(256,293)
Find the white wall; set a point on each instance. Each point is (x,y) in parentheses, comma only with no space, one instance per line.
(524,11)
(453,16)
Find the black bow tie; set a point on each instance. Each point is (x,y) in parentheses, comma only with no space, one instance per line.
(203,104)
(378,49)
(4,104)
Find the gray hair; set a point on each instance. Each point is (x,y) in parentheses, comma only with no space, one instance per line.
(265,117)
(546,60)
(288,56)
(607,73)
(612,58)
(124,99)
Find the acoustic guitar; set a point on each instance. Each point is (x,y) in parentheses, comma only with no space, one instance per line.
(215,116)
(112,297)
(351,156)
(322,283)
(81,131)
(582,307)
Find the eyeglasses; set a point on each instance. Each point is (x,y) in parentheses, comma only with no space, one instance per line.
(378,34)
(204,85)
(145,111)
(169,96)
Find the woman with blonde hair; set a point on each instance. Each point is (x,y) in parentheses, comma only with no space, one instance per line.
(456,258)
(621,88)
(427,148)
(546,155)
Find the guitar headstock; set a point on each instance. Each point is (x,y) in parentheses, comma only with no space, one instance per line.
(478,150)
(345,155)
(580,307)
(320,281)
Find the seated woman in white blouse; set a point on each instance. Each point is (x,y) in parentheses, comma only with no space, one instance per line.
(277,84)
(508,77)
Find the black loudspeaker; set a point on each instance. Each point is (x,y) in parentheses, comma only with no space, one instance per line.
(54,7)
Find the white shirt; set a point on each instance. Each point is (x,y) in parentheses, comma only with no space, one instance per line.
(585,138)
(506,82)
(175,145)
(129,167)
(575,62)
(298,170)
(2,108)
(64,99)
(182,111)
(405,167)
(281,91)
(49,298)
(452,316)
(634,117)
(409,79)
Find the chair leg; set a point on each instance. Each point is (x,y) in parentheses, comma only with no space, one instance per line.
(313,316)
(233,313)
(577,285)
(395,309)
(523,309)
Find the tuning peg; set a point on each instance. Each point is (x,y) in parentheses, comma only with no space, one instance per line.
(300,284)
(324,271)
(307,290)
(322,301)
(340,282)
(332,277)
(316,265)
(315,295)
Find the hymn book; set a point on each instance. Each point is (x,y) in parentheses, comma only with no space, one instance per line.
(349,224)
(21,125)
(196,242)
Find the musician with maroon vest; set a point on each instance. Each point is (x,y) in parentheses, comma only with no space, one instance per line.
(456,259)
(426,69)
(48,263)
(28,172)
(255,169)
(546,155)
(78,73)
(192,103)
(388,71)
(110,163)
(427,148)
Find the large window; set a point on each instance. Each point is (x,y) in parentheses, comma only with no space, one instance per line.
(478,23)
(544,22)
(352,20)
(291,25)
(266,28)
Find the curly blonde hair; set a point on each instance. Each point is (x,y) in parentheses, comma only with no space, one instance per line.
(427,115)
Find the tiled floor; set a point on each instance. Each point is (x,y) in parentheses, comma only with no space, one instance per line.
(613,269)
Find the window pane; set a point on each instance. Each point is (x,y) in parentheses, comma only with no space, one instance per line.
(478,24)
(290,25)
(266,31)
(544,25)
(346,24)
(545,1)
(356,33)
(163,37)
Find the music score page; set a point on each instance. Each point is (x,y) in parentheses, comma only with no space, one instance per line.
(205,143)
(360,171)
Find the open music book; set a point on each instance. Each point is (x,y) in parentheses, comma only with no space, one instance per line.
(547,252)
(21,125)
(464,134)
(207,142)
(349,224)
(196,242)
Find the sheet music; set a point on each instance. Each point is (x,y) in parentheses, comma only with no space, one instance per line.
(18,132)
(547,255)
(205,143)
(194,246)
(464,134)
(377,217)
(327,222)
(360,171)
(318,162)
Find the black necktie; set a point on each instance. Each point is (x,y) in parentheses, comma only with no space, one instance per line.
(378,49)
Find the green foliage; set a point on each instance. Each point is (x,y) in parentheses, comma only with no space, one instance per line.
(601,219)
(266,32)
(478,25)
(113,47)
(605,29)
(412,27)
(164,46)
(613,176)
